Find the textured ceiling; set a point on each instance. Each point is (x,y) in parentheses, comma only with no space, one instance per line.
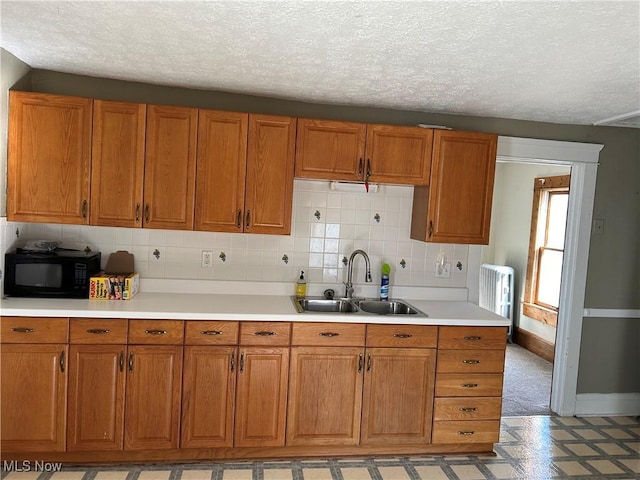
(559,61)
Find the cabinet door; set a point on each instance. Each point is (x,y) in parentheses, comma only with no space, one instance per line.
(269,184)
(221,170)
(400,155)
(96,397)
(49,158)
(152,405)
(33,397)
(261,396)
(398,396)
(325,396)
(456,208)
(117,163)
(331,150)
(208,397)
(170,166)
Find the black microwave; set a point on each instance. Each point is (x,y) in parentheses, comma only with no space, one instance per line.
(61,273)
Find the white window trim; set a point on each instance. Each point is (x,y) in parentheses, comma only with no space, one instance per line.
(583,160)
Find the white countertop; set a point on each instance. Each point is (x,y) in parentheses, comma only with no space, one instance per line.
(189,306)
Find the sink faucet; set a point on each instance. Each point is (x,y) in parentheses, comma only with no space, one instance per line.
(367,277)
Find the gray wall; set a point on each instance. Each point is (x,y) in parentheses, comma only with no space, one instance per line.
(612,276)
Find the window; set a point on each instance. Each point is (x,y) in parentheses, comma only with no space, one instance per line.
(546,248)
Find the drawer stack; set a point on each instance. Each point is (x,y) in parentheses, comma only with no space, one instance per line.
(468,390)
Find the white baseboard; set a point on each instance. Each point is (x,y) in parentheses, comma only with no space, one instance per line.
(607,404)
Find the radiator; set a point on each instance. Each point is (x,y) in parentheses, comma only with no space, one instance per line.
(496,291)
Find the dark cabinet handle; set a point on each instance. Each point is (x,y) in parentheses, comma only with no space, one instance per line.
(265,334)
(211,332)
(62,361)
(360,362)
(239,220)
(368,169)
(369,363)
(241,362)
(360,168)
(23,330)
(121,361)
(84,209)
(146,213)
(473,338)
(328,334)
(131,362)
(468,409)
(248,224)
(471,362)
(430,228)
(155,332)
(402,335)
(469,385)
(466,433)
(137,212)
(98,331)
(233,361)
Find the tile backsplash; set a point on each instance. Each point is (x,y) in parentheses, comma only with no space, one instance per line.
(327,225)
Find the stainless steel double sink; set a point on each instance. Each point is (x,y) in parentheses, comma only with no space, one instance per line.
(356,306)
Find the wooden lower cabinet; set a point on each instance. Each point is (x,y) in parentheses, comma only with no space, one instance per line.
(152,407)
(33,397)
(398,396)
(325,396)
(261,400)
(208,396)
(97,376)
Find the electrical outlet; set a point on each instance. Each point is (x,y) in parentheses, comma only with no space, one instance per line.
(207,259)
(443,271)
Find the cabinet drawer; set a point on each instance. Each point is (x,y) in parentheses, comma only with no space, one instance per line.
(211,333)
(469,408)
(156,332)
(402,336)
(98,331)
(492,338)
(470,361)
(480,431)
(329,334)
(265,333)
(34,330)
(468,385)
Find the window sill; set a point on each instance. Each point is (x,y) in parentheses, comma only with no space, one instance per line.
(541,314)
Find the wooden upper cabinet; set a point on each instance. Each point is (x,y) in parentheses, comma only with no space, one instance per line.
(221,170)
(170,166)
(456,207)
(330,150)
(269,183)
(49,158)
(358,151)
(117,168)
(398,154)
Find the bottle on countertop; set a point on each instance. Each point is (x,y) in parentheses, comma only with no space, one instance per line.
(301,286)
(384,282)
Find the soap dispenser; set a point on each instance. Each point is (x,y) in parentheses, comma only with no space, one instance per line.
(301,286)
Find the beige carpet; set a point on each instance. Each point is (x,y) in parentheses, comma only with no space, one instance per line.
(527,383)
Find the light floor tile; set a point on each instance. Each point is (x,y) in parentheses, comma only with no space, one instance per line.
(503,471)
(581,449)
(22,476)
(237,475)
(572,468)
(557,434)
(317,474)
(358,473)
(67,476)
(633,465)
(395,473)
(196,475)
(468,472)
(605,466)
(569,421)
(278,474)
(431,473)
(624,420)
(589,434)
(635,446)
(611,448)
(598,421)
(113,476)
(617,433)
